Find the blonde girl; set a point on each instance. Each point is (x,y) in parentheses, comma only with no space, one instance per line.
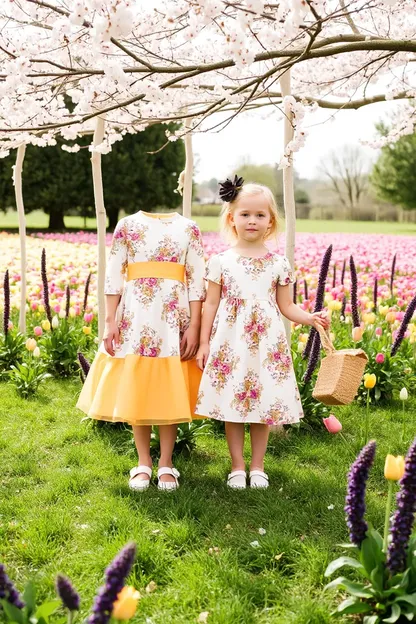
(248,373)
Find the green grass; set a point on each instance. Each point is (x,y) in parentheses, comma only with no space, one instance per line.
(65,506)
(38,220)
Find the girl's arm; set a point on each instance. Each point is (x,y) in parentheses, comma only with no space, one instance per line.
(111,331)
(210,310)
(114,285)
(295,314)
(190,339)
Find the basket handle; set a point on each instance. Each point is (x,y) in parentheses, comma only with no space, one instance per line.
(326,340)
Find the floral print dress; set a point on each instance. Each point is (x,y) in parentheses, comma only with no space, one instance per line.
(249,376)
(146,382)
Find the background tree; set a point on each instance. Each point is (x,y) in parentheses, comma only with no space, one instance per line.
(347,171)
(394,174)
(59,183)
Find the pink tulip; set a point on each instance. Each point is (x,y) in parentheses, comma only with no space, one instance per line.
(380,358)
(57,308)
(399,316)
(332,424)
(379,331)
(88,316)
(34,306)
(37,331)
(357,333)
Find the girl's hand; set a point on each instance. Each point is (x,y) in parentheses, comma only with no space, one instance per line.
(111,337)
(189,343)
(202,356)
(320,319)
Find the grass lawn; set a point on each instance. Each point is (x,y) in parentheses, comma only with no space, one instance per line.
(65,506)
(38,220)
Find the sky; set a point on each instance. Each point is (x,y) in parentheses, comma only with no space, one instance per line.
(258,139)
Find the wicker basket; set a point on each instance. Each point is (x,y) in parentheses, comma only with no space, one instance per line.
(340,373)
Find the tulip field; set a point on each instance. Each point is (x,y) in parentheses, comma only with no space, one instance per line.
(207,554)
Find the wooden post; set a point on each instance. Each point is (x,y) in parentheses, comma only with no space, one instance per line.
(101,222)
(189,170)
(288,189)
(17,181)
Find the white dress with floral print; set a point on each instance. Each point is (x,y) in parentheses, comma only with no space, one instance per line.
(146,383)
(249,376)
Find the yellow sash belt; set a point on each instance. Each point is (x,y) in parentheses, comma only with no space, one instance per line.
(163,270)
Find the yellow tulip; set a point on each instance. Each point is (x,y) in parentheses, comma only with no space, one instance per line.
(391,317)
(394,468)
(46,326)
(41,308)
(370,381)
(369,318)
(357,333)
(86,330)
(126,604)
(30,344)
(333,305)
(383,310)
(303,338)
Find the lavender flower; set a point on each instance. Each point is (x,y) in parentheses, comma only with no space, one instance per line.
(375,293)
(83,362)
(313,358)
(45,287)
(355,500)
(402,524)
(344,305)
(67,593)
(8,591)
(86,291)
(402,329)
(67,301)
(343,272)
(6,311)
(334,277)
(320,294)
(393,269)
(295,287)
(354,294)
(305,289)
(115,575)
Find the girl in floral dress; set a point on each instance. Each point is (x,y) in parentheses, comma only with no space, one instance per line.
(145,371)
(248,373)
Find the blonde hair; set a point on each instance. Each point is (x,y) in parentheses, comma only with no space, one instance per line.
(249,190)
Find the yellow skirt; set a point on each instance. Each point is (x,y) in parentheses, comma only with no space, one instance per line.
(141,390)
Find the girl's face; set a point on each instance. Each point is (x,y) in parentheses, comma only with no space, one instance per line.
(251,218)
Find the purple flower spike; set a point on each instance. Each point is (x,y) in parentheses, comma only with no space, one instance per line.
(66,592)
(393,269)
(402,524)
(67,301)
(343,272)
(115,575)
(313,358)
(334,276)
(354,294)
(6,311)
(8,591)
(344,305)
(355,500)
(320,294)
(295,293)
(45,287)
(83,362)
(305,289)
(402,329)
(86,292)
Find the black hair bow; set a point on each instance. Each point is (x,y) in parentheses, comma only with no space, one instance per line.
(230,189)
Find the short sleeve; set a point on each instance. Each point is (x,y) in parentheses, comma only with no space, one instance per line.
(213,270)
(286,275)
(117,261)
(195,264)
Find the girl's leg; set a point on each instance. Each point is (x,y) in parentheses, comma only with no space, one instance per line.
(142,440)
(259,435)
(235,440)
(167,434)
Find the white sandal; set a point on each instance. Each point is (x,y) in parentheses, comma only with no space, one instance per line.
(259,479)
(237,480)
(140,484)
(168,485)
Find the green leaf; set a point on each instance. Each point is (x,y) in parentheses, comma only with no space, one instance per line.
(29,597)
(371,619)
(377,578)
(408,598)
(355,589)
(377,393)
(13,613)
(395,614)
(340,563)
(353,605)
(47,608)
(372,551)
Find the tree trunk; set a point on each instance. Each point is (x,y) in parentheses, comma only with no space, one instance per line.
(112,213)
(56,221)
(17,181)
(288,191)
(189,169)
(101,222)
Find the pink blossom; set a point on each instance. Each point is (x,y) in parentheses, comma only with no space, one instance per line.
(332,424)
(379,331)
(380,358)
(37,331)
